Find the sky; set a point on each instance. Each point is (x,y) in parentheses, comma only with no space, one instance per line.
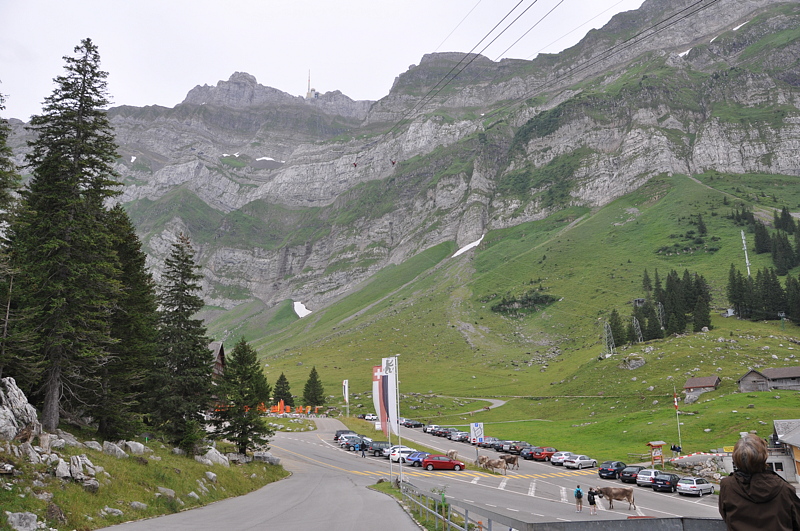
(155,51)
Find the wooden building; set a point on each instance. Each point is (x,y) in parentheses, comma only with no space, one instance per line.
(218,353)
(701,384)
(768,379)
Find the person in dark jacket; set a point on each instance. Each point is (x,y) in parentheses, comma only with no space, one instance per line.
(754,498)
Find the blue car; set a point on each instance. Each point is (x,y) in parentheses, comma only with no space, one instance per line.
(416,458)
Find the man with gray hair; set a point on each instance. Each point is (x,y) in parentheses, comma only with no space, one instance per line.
(754,498)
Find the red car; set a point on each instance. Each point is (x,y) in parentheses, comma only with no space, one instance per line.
(441,462)
(544,453)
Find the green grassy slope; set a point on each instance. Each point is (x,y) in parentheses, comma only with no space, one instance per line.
(435,313)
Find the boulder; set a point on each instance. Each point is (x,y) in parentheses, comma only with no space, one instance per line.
(202,460)
(113,450)
(16,413)
(266,457)
(76,468)
(69,439)
(21,521)
(217,458)
(62,469)
(110,511)
(91,485)
(29,453)
(212,477)
(134,448)
(139,506)
(94,445)
(169,493)
(193,495)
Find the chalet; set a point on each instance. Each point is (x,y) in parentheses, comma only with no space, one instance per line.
(787,436)
(701,384)
(218,353)
(768,379)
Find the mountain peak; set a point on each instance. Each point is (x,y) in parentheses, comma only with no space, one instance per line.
(240,91)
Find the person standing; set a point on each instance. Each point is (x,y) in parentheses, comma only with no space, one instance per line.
(754,497)
(357,447)
(578,499)
(592,503)
(363,449)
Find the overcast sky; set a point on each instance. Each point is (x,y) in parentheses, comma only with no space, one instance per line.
(157,50)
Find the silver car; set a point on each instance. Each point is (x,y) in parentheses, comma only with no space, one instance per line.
(579,462)
(558,458)
(697,486)
(645,477)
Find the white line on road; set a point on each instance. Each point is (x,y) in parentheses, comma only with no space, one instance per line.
(474,480)
(564,494)
(532,488)
(502,485)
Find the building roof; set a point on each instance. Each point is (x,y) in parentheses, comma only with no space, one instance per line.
(782,372)
(788,431)
(702,381)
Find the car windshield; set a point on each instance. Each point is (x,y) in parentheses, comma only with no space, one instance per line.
(687,481)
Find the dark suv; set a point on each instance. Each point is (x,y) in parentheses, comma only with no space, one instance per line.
(630,473)
(665,481)
(376,447)
(517,446)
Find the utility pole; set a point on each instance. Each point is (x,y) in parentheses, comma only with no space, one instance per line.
(746,259)
(610,349)
(638,329)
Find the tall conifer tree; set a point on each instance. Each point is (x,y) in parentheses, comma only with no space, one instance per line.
(313,392)
(282,391)
(241,393)
(61,245)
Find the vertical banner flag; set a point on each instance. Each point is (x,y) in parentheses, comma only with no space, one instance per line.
(389,392)
(676,400)
(345,392)
(376,395)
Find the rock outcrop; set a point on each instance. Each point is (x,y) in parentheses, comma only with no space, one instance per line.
(16,414)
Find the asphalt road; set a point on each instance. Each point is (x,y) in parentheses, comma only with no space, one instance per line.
(327,490)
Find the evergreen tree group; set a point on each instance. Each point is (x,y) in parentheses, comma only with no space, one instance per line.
(763,297)
(87,333)
(685,301)
(783,244)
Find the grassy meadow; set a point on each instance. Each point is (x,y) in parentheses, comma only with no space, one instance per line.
(435,313)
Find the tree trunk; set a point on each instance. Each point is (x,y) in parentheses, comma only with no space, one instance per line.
(52,398)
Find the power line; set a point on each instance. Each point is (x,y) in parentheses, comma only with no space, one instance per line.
(458,25)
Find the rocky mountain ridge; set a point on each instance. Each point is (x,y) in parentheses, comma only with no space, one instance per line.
(293,198)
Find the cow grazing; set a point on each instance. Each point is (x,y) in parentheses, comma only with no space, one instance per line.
(511,460)
(617,493)
(452,454)
(497,463)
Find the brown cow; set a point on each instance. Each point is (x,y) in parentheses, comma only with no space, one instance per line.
(497,463)
(617,493)
(511,460)
(452,454)
(482,460)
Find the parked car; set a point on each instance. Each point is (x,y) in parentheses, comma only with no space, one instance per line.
(415,458)
(544,453)
(376,447)
(579,462)
(457,435)
(388,451)
(412,423)
(339,433)
(430,428)
(611,469)
(346,438)
(370,416)
(645,477)
(665,481)
(692,485)
(517,447)
(527,453)
(445,432)
(399,455)
(558,458)
(487,442)
(441,462)
(351,442)
(629,473)
(497,446)
(507,445)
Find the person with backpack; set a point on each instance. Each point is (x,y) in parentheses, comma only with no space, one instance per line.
(592,503)
(578,499)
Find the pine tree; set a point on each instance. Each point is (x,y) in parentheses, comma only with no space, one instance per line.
(647,285)
(701,226)
(9,183)
(313,392)
(182,385)
(763,243)
(282,391)
(618,330)
(133,324)
(61,246)
(241,393)
(701,315)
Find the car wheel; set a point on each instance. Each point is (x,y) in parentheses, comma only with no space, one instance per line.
(429,467)
(580,466)
(674,489)
(402,460)
(594,464)
(457,468)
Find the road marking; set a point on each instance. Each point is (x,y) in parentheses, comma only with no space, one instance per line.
(563,494)
(502,485)
(511,509)
(532,489)
(474,480)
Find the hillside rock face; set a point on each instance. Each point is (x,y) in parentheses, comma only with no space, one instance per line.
(16,414)
(292,198)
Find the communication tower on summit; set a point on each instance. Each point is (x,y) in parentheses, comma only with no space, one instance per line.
(312,93)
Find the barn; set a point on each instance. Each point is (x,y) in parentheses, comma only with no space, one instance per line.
(701,384)
(218,353)
(768,379)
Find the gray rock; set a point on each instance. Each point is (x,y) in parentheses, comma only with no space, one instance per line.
(30,454)
(58,444)
(193,495)
(94,445)
(178,451)
(113,450)
(15,412)
(22,521)
(266,457)
(91,485)
(217,458)
(110,511)
(212,477)
(134,448)
(169,493)
(76,468)
(62,469)
(203,460)
(69,439)
(139,506)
